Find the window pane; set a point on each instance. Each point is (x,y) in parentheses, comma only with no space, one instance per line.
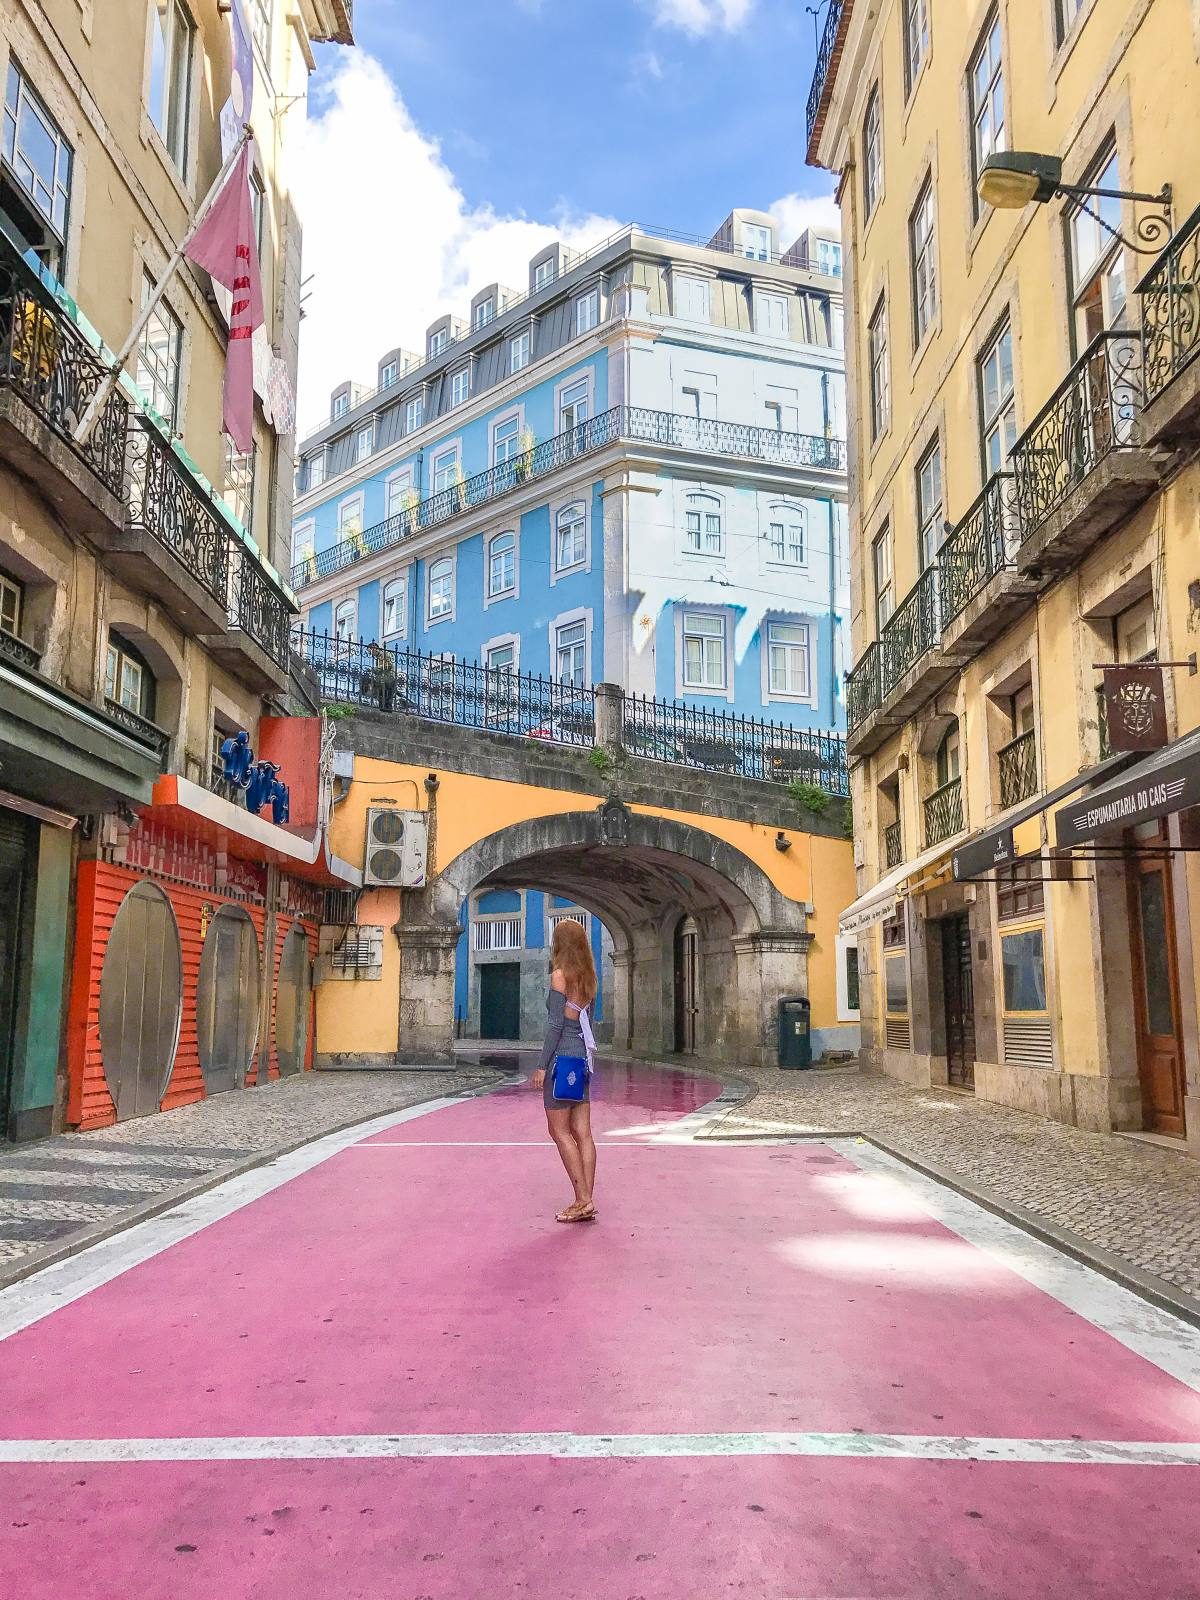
(1152,909)
(1024,971)
(896,983)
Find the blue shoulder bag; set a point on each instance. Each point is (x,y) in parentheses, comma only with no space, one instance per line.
(570,1077)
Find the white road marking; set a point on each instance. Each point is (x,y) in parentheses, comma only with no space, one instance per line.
(592,1446)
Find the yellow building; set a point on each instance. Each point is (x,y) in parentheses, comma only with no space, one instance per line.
(1024,506)
(142,614)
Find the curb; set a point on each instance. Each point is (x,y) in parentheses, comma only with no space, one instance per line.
(74,1244)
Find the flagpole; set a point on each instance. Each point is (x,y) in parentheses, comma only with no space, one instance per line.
(100,398)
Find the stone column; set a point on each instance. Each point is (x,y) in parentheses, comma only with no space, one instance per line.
(427,951)
(609,701)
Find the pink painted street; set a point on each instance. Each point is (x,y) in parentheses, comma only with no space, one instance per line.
(379,1367)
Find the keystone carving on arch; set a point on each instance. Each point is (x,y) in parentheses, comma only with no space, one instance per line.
(615,821)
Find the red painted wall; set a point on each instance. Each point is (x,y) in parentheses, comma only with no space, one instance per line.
(294,745)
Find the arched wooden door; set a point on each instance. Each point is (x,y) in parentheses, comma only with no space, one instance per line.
(141,1001)
(293,999)
(227,1000)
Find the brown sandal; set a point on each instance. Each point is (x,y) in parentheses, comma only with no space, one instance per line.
(574,1213)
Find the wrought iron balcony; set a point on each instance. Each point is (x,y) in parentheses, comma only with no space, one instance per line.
(258,607)
(893,845)
(1018,769)
(909,632)
(720,741)
(17,652)
(634,424)
(1170,294)
(825,60)
(944,813)
(862,688)
(141,727)
(47,360)
(166,506)
(978,547)
(1091,414)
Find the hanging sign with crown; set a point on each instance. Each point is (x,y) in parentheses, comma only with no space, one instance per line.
(1135,707)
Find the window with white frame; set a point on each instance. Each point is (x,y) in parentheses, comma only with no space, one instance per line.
(239,482)
(997,400)
(160,352)
(771,315)
(350,518)
(303,541)
(501,687)
(555,917)
(438,341)
(414,414)
(691,298)
(756,241)
(570,537)
(829,257)
(485,311)
(395,608)
(460,386)
(388,374)
(170,90)
(587,311)
(316,470)
(364,442)
(445,469)
(783,408)
(501,657)
(872,146)
(441,589)
(573,406)
(518,352)
(506,439)
(789,659)
(881,562)
(1065,12)
(704,529)
(930,515)
(989,115)
(341,404)
(545,273)
(922,246)
(570,653)
(879,364)
(704,651)
(1098,285)
(344,619)
(36,150)
(12,596)
(916,40)
(399,488)
(126,679)
(497,933)
(785,535)
(502,565)
(260,25)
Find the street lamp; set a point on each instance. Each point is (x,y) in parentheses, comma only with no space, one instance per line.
(1013,179)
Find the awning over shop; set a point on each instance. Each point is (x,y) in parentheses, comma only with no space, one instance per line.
(240,833)
(879,901)
(1165,782)
(995,847)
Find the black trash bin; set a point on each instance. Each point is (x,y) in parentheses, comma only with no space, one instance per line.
(795,1034)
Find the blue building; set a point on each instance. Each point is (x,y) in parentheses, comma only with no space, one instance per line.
(630,471)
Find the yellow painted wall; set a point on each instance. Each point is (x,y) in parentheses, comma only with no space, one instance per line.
(362,1015)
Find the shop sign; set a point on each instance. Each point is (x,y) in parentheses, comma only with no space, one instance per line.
(1143,797)
(877,911)
(151,847)
(243,877)
(1135,708)
(984,855)
(298,899)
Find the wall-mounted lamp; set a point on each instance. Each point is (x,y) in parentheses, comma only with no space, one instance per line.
(1013,179)
(432,783)
(782,842)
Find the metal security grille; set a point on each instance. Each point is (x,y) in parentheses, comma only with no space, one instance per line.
(567,916)
(498,933)
(1028,1042)
(898,1033)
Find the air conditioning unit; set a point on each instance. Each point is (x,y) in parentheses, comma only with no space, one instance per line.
(397,842)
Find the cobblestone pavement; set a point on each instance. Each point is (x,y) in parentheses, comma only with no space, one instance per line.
(1135,1200)
(74,1182)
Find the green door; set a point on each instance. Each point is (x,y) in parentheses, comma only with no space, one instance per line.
(14,884)
(500,1000)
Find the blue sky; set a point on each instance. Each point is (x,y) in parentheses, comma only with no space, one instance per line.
(438,158)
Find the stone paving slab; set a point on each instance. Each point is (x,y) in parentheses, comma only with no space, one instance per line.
(1134,1202)
(63,1193)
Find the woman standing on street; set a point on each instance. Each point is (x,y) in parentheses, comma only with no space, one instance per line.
(569,1039)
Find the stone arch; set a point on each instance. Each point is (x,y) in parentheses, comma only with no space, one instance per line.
(639,874)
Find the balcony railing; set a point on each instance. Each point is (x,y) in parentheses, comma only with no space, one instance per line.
(141,727)
(635,424)
(893,845)
(862,688)
(944,813)
(721,741)
(1170,294)
(1018,769)
(1092,413)
(165,505)
(257,607)
(978,547)
(909,632)
(17,651)
(833,18)
(46,360)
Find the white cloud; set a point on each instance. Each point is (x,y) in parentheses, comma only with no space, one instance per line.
(795,213)
(702,16)
(390,242)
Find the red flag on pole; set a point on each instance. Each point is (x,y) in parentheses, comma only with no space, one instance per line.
(226,247)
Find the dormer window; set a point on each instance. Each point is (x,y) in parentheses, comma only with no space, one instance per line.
(756,241)
(341,404)
(438,341)
(485,311)
(545,273)
(460,386)
(388,374)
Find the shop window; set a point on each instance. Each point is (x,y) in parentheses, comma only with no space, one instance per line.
(1028,1039)
(1020,890)
(897,1027)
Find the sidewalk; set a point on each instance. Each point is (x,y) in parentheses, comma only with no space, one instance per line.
(1122,1204)
(61,1194)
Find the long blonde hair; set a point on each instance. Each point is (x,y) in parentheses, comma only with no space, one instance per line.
(572,955)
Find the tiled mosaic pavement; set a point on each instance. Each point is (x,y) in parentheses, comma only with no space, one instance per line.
(56,1187)
(1136,1200)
